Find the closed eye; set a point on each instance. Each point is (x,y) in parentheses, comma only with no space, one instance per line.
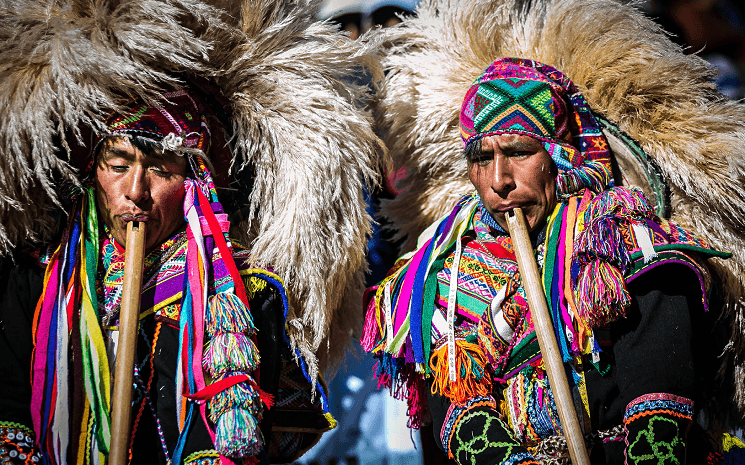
(482,160)
(163,173)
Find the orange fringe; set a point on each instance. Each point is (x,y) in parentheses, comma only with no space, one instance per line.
(472,377)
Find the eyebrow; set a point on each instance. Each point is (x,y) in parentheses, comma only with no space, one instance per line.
(117,152)
(516,145)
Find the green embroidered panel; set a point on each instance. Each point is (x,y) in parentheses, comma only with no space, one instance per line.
(660,442)
(471,440)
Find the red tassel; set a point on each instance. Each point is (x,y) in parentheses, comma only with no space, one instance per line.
(266,398)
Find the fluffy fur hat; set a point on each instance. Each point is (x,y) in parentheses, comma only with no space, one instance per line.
(630,73)
(284,87)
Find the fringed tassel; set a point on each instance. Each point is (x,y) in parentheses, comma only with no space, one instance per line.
(239,396)
(230,352)
(602,256)
(370,332)
(388,370)
(227,314)
(601,294)
(404,383)
(266,398)
(621,202)
(236,410)
(602,239)
(238,434)
(470,362)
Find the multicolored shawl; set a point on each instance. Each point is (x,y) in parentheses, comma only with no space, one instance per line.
(472,336)
(163,279)
(519,96)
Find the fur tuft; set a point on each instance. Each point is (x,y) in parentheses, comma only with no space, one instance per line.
(629,72)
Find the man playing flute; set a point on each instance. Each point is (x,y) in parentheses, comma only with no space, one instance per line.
(629,292)
(230,134)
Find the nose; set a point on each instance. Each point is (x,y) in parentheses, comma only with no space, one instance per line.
(139,186)
(502,181)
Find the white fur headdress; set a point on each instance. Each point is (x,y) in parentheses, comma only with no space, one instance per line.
(295,116)
(631,75)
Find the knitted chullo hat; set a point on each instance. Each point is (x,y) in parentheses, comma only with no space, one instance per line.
(518,96)
(177,122)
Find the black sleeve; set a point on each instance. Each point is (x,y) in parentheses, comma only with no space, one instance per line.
(474,433)
(21,285)
(651,350)
(268,315)
(653,346)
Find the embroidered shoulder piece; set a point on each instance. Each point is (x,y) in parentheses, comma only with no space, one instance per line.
(617,238)
(17,445)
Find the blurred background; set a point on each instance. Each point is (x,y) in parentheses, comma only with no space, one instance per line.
(372,425)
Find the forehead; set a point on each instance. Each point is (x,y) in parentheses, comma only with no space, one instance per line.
(510,142)
(122,147)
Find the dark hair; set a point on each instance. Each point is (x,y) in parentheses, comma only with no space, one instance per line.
(472,150)
(146,145)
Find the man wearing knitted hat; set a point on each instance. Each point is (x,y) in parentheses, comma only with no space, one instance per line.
(150,167)
(625,289)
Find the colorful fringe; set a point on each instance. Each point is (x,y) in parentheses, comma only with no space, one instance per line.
(67,314)
(583,276)
(235,404)
(600,252)
(473,380)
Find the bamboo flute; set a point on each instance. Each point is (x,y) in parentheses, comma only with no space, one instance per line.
(121,399)
(546,338)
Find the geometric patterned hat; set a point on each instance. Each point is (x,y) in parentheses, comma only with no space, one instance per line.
(176,122)
(519,96)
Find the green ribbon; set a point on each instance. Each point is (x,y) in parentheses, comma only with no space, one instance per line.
(96,376)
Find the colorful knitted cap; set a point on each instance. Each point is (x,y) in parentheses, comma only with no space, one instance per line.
(177,121)
(519,96)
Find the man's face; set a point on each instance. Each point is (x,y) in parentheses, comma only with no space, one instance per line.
(515,171)
(134,186)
